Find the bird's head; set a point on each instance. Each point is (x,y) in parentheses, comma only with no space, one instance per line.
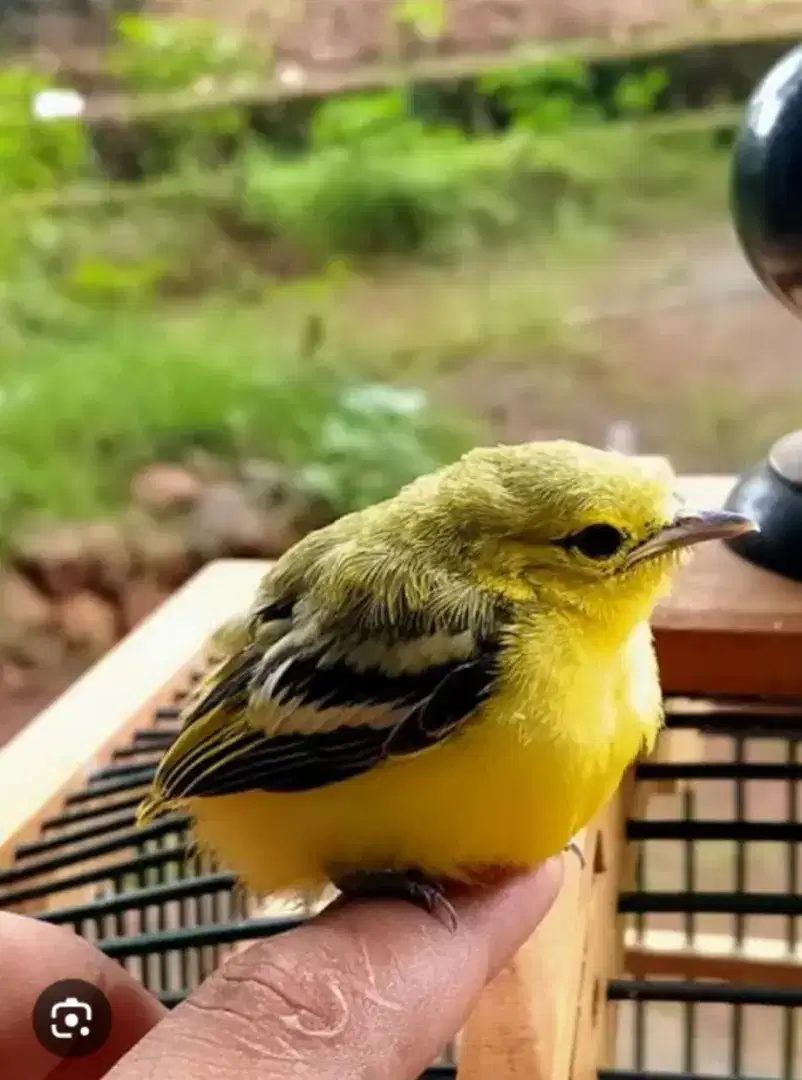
(567,524)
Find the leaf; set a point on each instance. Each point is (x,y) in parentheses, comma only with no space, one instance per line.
(636,95)
(426,17)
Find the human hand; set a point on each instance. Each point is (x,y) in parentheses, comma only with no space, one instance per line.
(365,989)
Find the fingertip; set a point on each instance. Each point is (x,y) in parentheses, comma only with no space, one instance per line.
(366,980)
(36,955)
(507,911)
(497,912)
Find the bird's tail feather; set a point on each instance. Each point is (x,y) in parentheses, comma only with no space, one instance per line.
(153,806)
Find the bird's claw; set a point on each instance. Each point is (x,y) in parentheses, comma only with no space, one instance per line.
(576,848)
(411,885)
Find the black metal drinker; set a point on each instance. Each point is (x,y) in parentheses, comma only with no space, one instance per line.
(767,213)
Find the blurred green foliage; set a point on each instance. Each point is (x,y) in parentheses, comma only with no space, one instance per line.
(377,178)
(35,155)
(426,18)
(79,420)
(152,55)
(89,273)
(155,57)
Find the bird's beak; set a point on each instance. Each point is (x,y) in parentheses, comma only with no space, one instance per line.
(693,528)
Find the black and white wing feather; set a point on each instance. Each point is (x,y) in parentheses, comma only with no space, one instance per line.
(305,703)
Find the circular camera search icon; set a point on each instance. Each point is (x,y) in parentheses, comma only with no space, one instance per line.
(72,1018)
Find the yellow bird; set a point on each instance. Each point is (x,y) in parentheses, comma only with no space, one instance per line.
(448,682)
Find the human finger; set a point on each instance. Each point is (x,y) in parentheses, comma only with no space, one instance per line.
(368,988)
(35,955)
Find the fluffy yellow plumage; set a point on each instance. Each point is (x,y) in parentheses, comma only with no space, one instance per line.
(449,681)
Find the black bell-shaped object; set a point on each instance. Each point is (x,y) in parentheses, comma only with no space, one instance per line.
(767,181)
(767,213)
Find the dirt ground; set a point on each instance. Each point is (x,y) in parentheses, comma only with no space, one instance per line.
(683,342)
(343,34)
(17,710)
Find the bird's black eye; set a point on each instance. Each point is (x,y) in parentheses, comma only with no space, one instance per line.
(596,541)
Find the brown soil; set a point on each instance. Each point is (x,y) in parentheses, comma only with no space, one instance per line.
(685,344)
(346,34)
(17,710)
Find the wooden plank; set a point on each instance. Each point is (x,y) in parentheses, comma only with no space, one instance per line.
(524,1024)
(719,591)
(730,664)
(728,628)
(594,1038)
(756,961)
(78,732)
(631,802)
(674,747)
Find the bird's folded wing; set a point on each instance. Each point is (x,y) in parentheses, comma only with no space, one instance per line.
(312,710)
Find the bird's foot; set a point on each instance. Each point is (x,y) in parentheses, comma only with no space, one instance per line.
(576,848)
(411,885)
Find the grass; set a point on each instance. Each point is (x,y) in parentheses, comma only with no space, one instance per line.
(78,420)
(435,197)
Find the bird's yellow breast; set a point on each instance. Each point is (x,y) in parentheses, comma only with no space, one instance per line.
(528,773)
